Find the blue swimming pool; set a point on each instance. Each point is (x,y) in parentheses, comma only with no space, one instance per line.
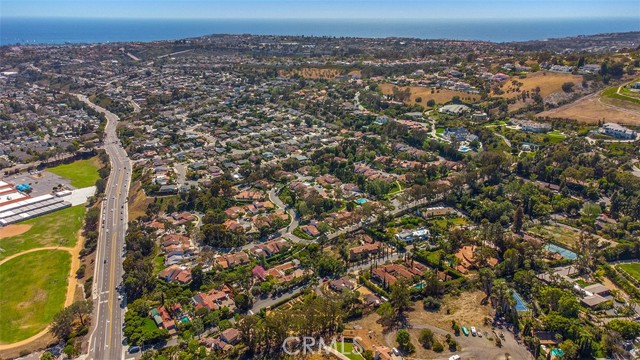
(567,254)
(557,352)
(361,201)
(464,149)
(521,305)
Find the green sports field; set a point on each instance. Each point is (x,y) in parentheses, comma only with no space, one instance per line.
(59,228)
(33,287)
(82,173)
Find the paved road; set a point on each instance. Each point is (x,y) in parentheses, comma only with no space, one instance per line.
(105,341)
(286,232)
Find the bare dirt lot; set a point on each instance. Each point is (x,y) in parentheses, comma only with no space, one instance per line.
(440,96)
(548,82)
(466,310)
(13,230)
(138,201)
(592,109)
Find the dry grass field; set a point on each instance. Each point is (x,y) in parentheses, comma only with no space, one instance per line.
(592,109)
(138,201)
(440,96)
(548,82)
(312,73)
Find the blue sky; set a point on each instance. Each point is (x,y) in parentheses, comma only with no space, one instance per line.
(340,9)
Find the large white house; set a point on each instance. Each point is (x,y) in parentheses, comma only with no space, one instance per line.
(618,131)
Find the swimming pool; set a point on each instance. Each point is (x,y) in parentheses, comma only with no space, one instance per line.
(464,149)
(567,254)
(521,305)
(557,352)
(361,201)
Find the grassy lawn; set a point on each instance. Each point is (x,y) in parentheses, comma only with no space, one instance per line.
(555,136)
(55,229)
(82,173)
(149,325)
(439,131)
(632,269)
(613,93)
(33,287)
(301,234)
(441,223)
(347,350)
(158,264)
(557,234)
(583,283)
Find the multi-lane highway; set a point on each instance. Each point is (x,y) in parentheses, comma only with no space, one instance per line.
(106,339)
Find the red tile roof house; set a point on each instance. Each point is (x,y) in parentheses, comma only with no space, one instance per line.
(359,252)
(269,248)
(389,274)
(233,260)
(234,212)
(162,318)
(214,299)
(287,271)
(175,273)
(311,230)
(174,239)
(231,336)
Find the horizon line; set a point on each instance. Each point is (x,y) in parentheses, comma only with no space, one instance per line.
(319,18)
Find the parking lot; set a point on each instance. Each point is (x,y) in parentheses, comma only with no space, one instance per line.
(41,182)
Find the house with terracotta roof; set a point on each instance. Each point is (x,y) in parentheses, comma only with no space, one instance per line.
(467,259)
(214,299)
(232,260)
(163,319)
(234,212)
(233,225)
(363,251)
(174,239)
(249,195)
(270,248)
(281,273)
(389,274)
(231,336)
(310,230)
(175,273)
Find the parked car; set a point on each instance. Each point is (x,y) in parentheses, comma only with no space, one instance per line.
(134,349)
(473,331)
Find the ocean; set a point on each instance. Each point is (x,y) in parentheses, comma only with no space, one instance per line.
(75,30)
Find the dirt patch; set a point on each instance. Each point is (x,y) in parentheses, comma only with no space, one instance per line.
(548,83)
(465,309)
(440,96)
(592,109)
(13,230)
(138,201)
